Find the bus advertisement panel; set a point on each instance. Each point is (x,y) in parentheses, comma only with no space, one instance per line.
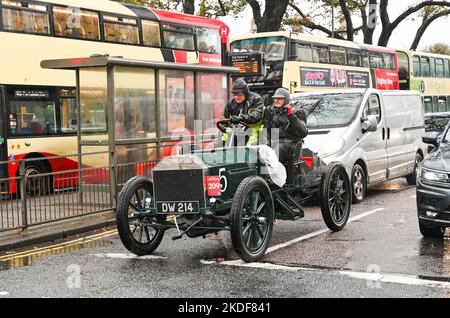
(314,77)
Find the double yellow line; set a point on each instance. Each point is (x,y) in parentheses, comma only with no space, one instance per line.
(27,257)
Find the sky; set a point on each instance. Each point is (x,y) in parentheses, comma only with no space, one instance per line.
(402,38)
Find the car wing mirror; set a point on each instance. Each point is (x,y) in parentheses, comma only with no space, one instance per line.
(369,124)
(431,138)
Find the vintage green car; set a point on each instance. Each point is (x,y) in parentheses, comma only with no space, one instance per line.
(208,191)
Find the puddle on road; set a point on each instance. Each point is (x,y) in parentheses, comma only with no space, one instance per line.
(389,186)
(29,257)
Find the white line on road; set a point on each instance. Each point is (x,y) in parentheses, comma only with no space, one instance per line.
(4,293)
(373,277)
(128,256)
(314,234)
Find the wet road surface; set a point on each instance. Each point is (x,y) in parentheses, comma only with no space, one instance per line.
(380,253)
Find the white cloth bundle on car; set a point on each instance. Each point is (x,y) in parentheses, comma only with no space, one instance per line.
(275,168)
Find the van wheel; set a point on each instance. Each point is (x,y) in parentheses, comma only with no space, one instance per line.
(412,178)
(359,184)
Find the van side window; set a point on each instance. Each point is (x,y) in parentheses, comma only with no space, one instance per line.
(373,107)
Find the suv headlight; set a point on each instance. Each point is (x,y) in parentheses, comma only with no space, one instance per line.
(331,147)
(431,175)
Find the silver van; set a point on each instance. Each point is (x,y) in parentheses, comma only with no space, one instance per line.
(376,134)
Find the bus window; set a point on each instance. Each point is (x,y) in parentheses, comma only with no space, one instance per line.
(428,104)
(440,72)
(448,103)
(365,59)
(447,68)
(304,52)
(435,104)
(425,66)
(442,104)
(388,61)
(25,17)
(432,67)
(338,55)
(68,110)
(353,57)
(121,30)
(376,60)
(416,66)
(33,117)
(320,54)
(177,37)
(76,23)
(208,41)
(150,33)
(261,45)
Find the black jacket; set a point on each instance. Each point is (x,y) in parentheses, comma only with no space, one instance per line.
(252,109)
(292,127)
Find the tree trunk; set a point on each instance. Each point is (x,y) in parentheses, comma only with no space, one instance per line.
(348,19)
(369,21)
(189,6)
(273,14)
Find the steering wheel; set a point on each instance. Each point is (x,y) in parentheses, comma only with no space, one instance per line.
(223,124)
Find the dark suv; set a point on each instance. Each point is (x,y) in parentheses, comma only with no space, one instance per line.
(433,186)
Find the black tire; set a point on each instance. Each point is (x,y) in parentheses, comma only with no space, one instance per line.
(431,231)
(412,178)
(134,193)
(252,214)
(36,186)
(335,197)
(359,184)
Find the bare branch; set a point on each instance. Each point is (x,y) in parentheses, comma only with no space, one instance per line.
(425,24)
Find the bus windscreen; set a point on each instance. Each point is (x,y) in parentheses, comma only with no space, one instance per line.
(273,47)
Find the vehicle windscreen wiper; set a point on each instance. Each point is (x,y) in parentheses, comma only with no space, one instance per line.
(313,108)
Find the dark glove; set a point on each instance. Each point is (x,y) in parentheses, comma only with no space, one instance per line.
(290,110)
(235,120)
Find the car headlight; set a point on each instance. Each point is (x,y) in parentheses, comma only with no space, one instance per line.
(331,147)
(432,175)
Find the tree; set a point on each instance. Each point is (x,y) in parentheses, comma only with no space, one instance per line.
(430,14)
(439,48)
(389,27)
(369,12)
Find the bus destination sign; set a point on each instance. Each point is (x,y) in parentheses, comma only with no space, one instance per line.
(249,64)
(31,93)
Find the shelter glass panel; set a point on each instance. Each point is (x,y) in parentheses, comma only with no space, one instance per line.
(93,100)
(134,103)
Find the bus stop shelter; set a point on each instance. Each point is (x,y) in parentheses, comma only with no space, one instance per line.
(131,112)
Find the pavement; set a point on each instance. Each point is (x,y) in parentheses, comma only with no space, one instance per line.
(45,233)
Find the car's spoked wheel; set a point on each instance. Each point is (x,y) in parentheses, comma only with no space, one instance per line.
(335,197)
(252,219)
(134,227)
